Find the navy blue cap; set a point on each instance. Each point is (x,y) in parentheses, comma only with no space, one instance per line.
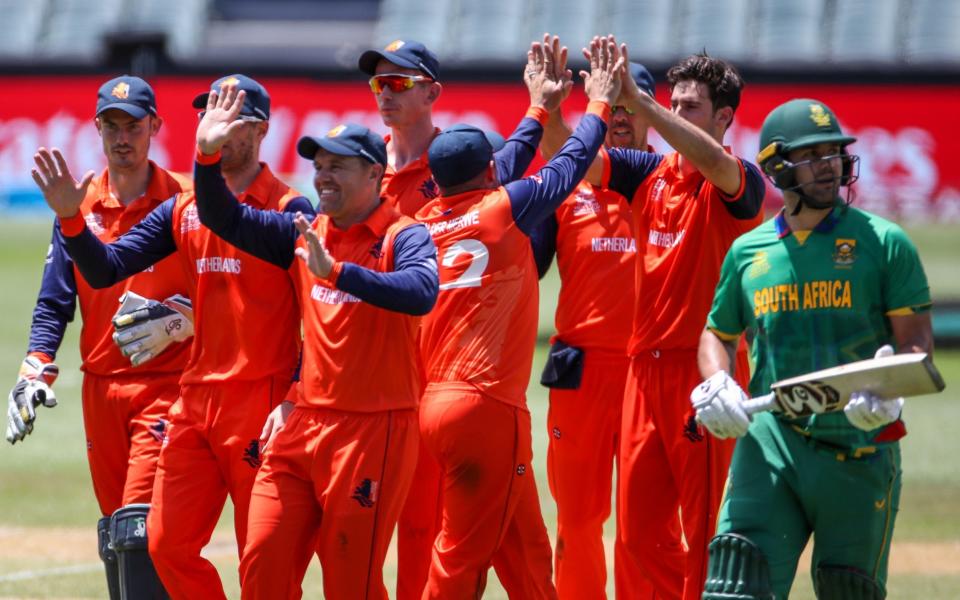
(643,78)
(459,153)
(256,104)
(403,53)
(132,95)
(496,140)
(346,140)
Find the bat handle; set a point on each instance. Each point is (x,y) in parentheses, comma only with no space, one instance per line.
(760,404)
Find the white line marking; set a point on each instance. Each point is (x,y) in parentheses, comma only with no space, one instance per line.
(41,573)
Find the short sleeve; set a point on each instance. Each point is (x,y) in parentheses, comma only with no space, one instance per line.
(905,287)
(727,316)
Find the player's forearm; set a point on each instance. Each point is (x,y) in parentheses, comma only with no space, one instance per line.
(534,199)
(266,234)
(913,333)
(56,302)
(516,155)
(693,143)
(555,133)
(715,354)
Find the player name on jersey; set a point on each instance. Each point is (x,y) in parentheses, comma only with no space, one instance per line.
(613,244)
(327,295)
(465,220)
(218,264)
(815,294)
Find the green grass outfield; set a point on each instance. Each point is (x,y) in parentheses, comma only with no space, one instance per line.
(48,514)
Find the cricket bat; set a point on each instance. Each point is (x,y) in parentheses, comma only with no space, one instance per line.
(829,390)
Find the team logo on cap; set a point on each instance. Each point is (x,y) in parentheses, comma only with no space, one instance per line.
(336,131)
(819,115)
(843,252)
(229,81)
(121,90)
(394,45)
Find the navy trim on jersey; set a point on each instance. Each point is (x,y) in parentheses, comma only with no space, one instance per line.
(533,199)
(57,301)
(543,242)
(628,169)
(146,243)
(517,153)
(748,204)
(272,236)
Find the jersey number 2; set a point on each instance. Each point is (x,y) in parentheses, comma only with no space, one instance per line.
(474,272)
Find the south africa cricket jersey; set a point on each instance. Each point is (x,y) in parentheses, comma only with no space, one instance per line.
(818,299)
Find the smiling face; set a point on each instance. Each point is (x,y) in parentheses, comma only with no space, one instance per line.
(346,185)
(408,106)
(126,141)
(818,170)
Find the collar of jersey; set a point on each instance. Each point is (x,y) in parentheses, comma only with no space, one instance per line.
(158,189)
(824,226)
(377,223)
(421,163)
(262,188)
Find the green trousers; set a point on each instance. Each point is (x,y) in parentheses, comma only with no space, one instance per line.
(784,486)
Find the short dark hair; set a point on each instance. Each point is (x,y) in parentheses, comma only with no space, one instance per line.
(721,78)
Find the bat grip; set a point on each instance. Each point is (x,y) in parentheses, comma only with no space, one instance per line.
(760,404)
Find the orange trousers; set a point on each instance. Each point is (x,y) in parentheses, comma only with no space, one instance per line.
(668,461)
(125,419)
(212,449)
(583,428)
(332,482)
(418,527)
(490,510)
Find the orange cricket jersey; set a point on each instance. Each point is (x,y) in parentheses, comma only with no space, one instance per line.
(596,255)
(246,318)
(481,333)
(108,219)
(356,356)
(411,187)
(683,231)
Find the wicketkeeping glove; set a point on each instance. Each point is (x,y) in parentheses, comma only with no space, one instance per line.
(144,328)
(867,411)
(719,405)
(31,390)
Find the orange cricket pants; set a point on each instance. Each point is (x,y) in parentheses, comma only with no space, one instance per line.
(583,428)
(212,449)
(125,418)
(333,482)
(490,510)
(666,461)
(418,527)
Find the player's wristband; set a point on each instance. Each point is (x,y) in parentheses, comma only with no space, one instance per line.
(73,226)
(600,109)
(207,159)
(538,114)
(335,273)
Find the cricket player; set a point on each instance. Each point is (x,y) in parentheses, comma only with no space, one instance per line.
(688,207)
(586,370)
(340,462)
(478,347)
(405,83)
(127,389)
(241,364)
(821,285)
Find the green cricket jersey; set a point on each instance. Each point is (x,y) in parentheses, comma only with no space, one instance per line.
(819,303)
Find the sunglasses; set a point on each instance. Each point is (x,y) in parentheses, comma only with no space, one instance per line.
(617,107)
(244,118)
(396,82)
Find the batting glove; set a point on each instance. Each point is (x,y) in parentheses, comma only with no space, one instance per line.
(868,411)
(144,328)
(719,405)
(31,390)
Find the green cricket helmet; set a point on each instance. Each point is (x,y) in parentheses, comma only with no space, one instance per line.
(797,124)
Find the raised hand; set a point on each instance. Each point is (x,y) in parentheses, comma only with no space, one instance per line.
(546,75)
(63,193)
(603,82)
(316,257)
(629,87)
(220,118)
